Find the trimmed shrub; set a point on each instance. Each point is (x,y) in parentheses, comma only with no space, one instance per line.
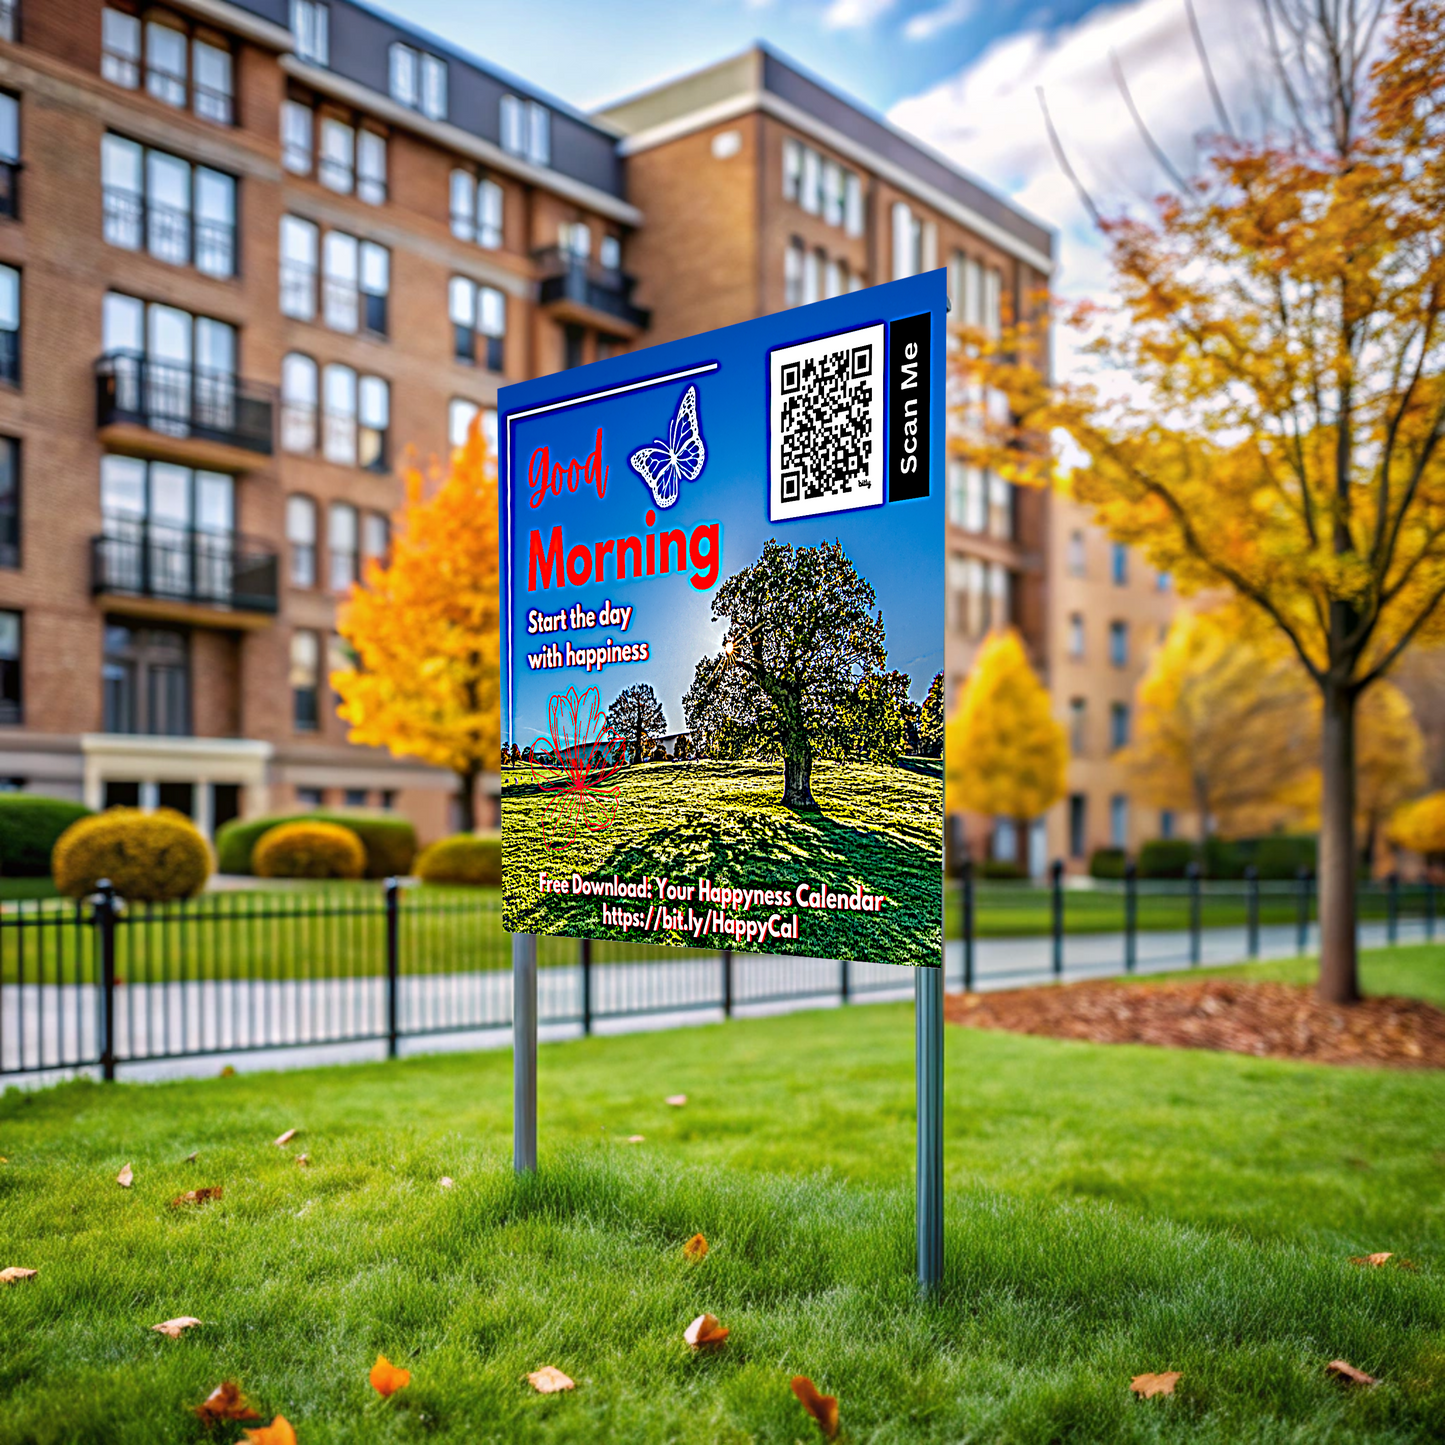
(1107,863)
(389,841)
(1000,870)
(1282,855)
(308,849)
(1167,857)
(659,754)
(29,829)
(149,857)
(474,859)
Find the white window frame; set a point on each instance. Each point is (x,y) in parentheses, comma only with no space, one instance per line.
(460,415)
(218,103)
(120,48)
(336,164)
(300,380)
(341,281)
(338,414)
(433,87)
(513,126)
(371,166)
(298,137)
(403,79)
(170,87)
(298,288)
(301,539)
(310,24)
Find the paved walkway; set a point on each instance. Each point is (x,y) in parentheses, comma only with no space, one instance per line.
(265,1025)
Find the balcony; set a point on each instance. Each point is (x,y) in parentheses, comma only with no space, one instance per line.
(185,575)
(573,289)
(189,414)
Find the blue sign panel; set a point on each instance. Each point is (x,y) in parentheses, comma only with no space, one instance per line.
(722,612)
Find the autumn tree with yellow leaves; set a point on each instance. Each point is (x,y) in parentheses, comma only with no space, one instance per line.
(1281,321)
(1005,753)
(423,625)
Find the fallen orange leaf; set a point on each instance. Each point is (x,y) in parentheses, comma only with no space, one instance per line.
(695,1248)
(705,1330)
(282,1140)
(1146,1386)
(15,1273)
(303,1161)
(229,1072)
(823,1408)
(125,1177)
(635,1138)
(278,1432)
(1372,1259)
(225,1402)
(386,1378)
(676,1100)
(174,1329)
(191,1157)
(445,1182)
(549,1379)
(197,1196)
(1343,1370)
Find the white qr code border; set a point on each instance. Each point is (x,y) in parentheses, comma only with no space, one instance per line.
(865,487)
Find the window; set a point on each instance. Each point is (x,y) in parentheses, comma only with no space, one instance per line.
(852,204)
(514,126)
(793,273)
(356,797)
(1000,508)
(388,799)
(1163,581)
(120,48)
(375,287)
(338,431)
(301,537)
(907,242)
(1119,644)
(9,502)
(305,682)
(812,276)
(356,280)
(809,195)
(298,404)
(418,81)
(11,667)
(375,536)
(166,63)
(1118,726)
(309,24)
(338,155)
(1078,723)
(792,168)
(341,545)
(433,87)
(975,503)
(299,241)
(822,187)
(527,130)
(1119,821)
(1119,564)
(375,423)
(1078,824)
(297,122)
(479,321)
(832,193)
(182,214)
(476,207)
(405,83)
(10,325)
(609,254)
(308,797)
(574,238)
(1076,634)
(1076,554)
(371,166)
(460,415)
(992,302)
(1166,823)
(1000,591)
(146,681)
(211,82)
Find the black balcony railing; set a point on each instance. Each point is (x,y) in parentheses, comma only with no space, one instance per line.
(184,401)
(566,277)
(10,189)
(10,357)
(181,564)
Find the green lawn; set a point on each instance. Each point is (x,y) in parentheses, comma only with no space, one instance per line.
(1110,1211)
(875,826)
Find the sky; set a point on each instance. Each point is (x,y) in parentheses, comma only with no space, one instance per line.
(960,75)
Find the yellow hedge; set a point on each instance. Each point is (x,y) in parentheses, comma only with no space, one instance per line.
(308,850)
(474,859)
(148,857)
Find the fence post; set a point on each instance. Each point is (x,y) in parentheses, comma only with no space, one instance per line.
(393,964)
(584,957)
(727,982)
(1131,916)
(1301,909)
(1251,883)
(1056,875)
(1392,908)
(965,878)
(1196,930)
(1429,908)
(843,980)
(104,917)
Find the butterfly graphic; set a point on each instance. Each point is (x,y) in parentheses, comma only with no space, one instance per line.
(664,465)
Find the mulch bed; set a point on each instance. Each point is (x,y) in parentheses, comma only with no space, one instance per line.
(1273,1020)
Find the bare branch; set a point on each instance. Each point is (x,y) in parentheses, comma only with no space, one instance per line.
(1214,95)
(1095,215)
(1155,149)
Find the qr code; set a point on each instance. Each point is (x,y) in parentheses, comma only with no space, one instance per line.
(826,404)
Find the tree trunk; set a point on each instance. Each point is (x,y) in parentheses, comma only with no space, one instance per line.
(1021,845)
(467,797)
(1339,977)
(798,772)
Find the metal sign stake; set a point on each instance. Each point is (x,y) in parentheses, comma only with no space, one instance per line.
(928,1023)
(524,1052)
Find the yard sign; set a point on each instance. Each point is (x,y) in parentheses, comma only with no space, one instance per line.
(722,591)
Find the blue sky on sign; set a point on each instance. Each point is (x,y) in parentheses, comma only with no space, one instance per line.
(961,75)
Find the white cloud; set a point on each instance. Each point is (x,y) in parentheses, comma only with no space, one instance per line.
(928,23)
(855,14)
(987,117)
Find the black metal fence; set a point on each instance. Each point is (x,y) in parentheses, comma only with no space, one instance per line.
(100,983)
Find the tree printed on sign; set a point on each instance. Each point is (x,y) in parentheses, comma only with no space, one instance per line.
(636,716)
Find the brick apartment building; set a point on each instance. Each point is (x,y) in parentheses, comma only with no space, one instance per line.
(252,251)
